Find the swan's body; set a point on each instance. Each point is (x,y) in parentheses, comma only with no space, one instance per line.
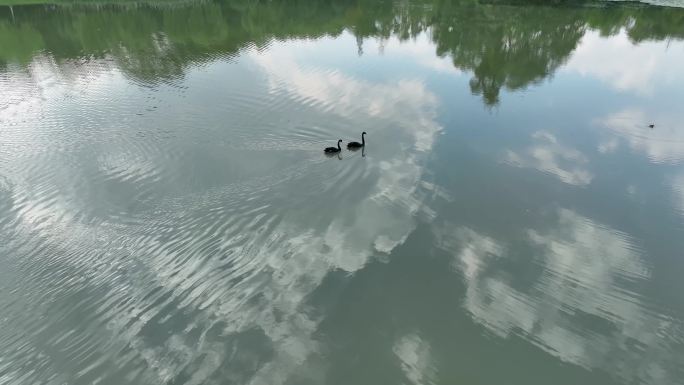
(357,145)
(332,150)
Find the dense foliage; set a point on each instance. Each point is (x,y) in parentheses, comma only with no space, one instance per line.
(502,45)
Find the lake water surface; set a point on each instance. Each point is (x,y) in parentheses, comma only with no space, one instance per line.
(167,214)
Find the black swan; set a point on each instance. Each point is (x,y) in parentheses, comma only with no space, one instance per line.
(331,150)
(357,145)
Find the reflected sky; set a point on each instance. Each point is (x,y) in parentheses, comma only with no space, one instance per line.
(167,215)
(639,69)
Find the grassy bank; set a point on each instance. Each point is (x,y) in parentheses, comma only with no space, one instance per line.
(162,2)
(18,3)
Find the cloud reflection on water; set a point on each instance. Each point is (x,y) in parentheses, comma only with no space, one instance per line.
(242,261)
(549,156)
(580,307)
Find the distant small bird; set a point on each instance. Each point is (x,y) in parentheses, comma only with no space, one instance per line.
(357,145)
(651,125)
(332,150)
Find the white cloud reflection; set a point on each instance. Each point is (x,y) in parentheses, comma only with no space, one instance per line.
(379,222)
(626,66)
(415,359)
(173,253)
(662,144)
(551,157)
(579,308)
(421,50)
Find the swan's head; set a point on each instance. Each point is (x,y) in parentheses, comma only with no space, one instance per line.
(339,141)
(364,133)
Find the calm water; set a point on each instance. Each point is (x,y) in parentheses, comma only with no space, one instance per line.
(167,215)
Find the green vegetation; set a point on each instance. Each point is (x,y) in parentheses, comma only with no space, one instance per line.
(503,46)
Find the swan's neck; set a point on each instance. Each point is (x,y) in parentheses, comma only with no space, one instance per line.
(363,138)
(338,146)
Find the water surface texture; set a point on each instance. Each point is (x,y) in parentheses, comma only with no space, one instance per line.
(167,214)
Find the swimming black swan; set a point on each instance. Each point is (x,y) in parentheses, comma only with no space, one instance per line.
(332,150)
(357,145)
